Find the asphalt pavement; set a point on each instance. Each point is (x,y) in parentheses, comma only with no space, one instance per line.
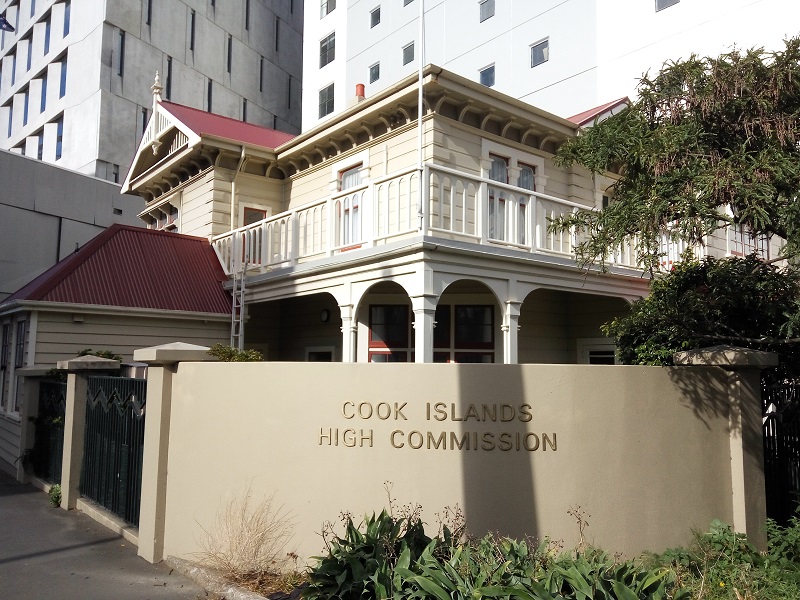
(54,554)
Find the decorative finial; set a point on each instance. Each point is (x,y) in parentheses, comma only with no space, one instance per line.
(156,87)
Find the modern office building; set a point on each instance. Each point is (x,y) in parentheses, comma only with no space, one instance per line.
(564,56)
(75,81)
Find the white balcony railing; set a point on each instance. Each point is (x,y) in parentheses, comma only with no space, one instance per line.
(456,206)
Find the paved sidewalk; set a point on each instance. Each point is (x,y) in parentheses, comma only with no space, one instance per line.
(51,553)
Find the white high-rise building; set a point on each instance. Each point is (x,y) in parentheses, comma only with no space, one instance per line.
(76,74)
(564,56)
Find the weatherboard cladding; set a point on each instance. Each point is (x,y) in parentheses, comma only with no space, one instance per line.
(136,268)
(202,122)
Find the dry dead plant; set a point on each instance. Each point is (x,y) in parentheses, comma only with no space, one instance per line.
(248,540)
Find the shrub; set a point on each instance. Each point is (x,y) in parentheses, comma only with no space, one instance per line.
(231,354)
(54,495)
(248,541)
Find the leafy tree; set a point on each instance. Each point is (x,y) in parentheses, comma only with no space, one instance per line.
(739,301)
(705,135)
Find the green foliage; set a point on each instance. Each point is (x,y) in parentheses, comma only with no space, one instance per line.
(361,564)
(723,565)
(393,558)
(705,134)
(739,301)
(231,354)
(109,354)
(54,495)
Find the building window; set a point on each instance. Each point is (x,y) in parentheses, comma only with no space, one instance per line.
(375,72)
(192,19)
(59,138)
(39,144)
(33,8)
(527,177)
(13,68)
(261,75)
(487,76)
(67,11)
(144,120)
(115,179)
(388,326)
(274,121)
(289,92)
(62,87)
(247,14)
(47,36)
(121,54)
(230,53)
(407,2)
(326,101)
(244,109)
(540,52)
(486,9)
(29,54)
(374,17)
(408,53)
(209,96)
(497,198)
(43,101)
(327,7)
(149,12)
(25,98)
(277,34)
(10,118)
(327,49)
(662,4)
(350,177)
(169,78)
(252,215)
(19,345)
(5,343)
(474,327)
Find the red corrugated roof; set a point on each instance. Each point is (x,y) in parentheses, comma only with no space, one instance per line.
(202,122)
(136,268)
(590,115)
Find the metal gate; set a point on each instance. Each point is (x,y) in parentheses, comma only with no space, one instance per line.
(48,443)
(782,449)
(114,444)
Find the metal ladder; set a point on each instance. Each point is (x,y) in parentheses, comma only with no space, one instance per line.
(237,305)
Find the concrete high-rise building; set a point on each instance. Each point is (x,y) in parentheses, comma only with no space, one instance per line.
(76,74)
(564,56)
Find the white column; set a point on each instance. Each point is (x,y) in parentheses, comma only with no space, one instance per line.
(349,329)
(510,329)
(424,308)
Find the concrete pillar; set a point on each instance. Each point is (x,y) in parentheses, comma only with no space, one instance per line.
(746,435)
(162,362)
(424,308)
(510,329)
(349,330)
(78,371)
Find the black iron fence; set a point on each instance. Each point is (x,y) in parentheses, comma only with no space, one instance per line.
(48,445)
(114,444)
(782,449)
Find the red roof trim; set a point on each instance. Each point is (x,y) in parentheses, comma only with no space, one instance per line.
(202,122)
(591,114)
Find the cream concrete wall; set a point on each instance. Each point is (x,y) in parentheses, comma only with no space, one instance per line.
(616,441)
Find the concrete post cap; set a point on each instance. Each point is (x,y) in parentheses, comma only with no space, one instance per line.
(172,353)
(727,356)
(88,363)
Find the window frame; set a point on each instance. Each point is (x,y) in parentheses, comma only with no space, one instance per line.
(375,72)
(327,49)
(409,60)
(544,43)
(328,105)
(327,7)
(489,10)
(487,69)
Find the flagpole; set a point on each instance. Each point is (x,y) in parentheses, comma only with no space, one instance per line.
(421,65)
